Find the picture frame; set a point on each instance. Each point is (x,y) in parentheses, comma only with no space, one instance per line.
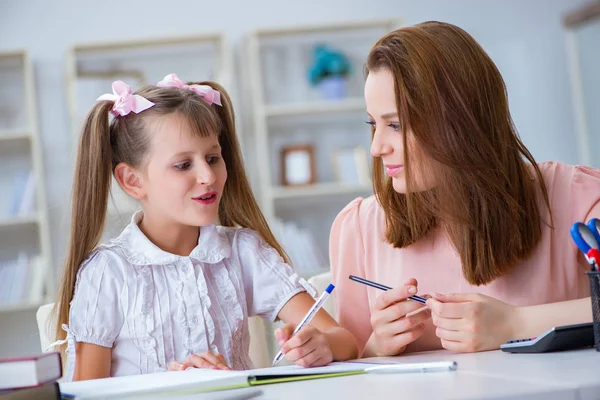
(351,166)
(298,165)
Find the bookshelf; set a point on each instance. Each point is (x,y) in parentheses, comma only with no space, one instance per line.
(26,276)
(91,69)
(287,110)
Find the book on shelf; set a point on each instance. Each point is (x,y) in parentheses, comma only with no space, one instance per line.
(21,280)
(301,247)
(23,194)
(30,371)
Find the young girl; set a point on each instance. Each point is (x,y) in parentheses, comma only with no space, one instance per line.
(464,211)
(175,289)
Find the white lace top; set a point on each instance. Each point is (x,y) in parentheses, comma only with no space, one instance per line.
(152,307)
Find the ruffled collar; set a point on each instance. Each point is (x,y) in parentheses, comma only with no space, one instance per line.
(213,245)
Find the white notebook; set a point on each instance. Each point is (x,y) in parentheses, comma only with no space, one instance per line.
(199,381)
(195,381)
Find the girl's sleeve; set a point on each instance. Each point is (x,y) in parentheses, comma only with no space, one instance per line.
(269,283)
(96,315)
(347,255)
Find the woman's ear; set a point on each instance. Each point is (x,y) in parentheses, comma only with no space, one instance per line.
(130,180)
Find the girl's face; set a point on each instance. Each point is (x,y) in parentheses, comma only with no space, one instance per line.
(388,143)
(185,173)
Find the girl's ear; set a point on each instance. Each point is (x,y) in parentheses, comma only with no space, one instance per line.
(130,180)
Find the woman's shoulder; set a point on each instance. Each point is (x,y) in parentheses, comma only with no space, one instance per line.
(361,215)
(573,190)
(557,173)
(361,208)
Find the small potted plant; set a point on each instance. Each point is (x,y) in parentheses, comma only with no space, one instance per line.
(330,72)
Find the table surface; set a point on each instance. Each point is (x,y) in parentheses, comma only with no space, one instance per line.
(488,375)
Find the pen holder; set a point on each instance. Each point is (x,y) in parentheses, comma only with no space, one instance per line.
(595,295)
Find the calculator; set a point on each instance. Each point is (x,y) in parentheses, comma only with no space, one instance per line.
(558,338)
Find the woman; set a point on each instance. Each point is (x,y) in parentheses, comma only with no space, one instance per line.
(462,211)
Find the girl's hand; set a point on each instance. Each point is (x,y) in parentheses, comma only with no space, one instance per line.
(202,360)
(307,348)
(471,322)
(394,327)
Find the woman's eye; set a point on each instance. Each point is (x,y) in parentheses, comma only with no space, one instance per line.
(183,166)
(372,123)
(394,126)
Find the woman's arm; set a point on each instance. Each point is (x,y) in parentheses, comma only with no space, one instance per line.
(468,322)
(532,320)
(318,343)
(92,361)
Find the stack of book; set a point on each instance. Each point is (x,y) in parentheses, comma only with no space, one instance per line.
(33,377)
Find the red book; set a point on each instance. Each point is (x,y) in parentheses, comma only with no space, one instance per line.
(29,371)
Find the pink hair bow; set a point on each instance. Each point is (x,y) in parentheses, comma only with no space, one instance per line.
(209,94)
(125,102)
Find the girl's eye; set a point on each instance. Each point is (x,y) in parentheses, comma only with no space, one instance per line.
(394,126)
(212,160)
(183,166)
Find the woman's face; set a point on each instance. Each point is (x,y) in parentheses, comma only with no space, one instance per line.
(388,143)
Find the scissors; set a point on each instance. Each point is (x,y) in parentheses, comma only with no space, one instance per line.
(587,238)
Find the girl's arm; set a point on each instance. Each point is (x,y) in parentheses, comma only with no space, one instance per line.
(92,361)
(318,343)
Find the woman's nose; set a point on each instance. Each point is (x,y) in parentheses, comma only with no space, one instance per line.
(379,147)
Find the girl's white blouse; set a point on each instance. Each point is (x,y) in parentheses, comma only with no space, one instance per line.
(152,307)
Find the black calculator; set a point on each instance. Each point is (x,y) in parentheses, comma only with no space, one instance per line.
(559,338)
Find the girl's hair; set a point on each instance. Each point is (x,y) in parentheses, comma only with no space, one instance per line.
(103,145)
(455,121)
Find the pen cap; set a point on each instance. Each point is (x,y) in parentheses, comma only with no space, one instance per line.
(329,288)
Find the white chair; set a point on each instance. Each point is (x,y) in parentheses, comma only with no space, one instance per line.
(47,330)
(320,282)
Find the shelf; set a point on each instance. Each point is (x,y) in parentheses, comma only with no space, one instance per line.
(318,190)
(14,135)
(316,107)
(18,220)
(18,307)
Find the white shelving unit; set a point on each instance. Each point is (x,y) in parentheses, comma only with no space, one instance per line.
(91,69)
(24,231)
(288,111)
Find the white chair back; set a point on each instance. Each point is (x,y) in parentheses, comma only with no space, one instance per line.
(320,282)
(46,330)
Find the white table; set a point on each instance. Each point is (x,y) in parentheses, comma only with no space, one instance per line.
(496,375)
(489,375)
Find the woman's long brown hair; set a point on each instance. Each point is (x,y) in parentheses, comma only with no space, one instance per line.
(103,146)
(454,116)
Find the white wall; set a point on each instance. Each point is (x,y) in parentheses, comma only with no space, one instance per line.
(525,38)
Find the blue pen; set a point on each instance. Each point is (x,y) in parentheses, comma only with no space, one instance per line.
(379,286)
(308,317)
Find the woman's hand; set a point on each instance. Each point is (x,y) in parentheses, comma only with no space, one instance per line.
(472,322)
(394,322)
(307,348)
(202,360)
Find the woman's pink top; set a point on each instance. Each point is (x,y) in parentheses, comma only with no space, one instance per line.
(554,271)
